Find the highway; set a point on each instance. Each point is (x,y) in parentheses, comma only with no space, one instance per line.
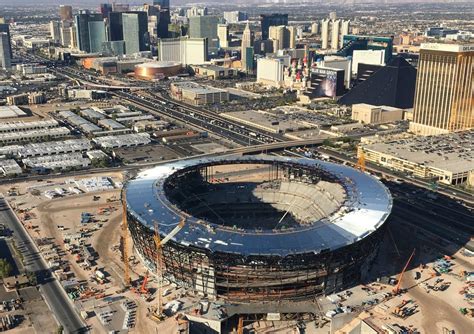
(181,112)
(49,287)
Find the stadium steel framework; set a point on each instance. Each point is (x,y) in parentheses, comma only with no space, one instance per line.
(306,228)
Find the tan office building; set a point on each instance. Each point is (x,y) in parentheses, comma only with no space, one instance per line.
(444,99)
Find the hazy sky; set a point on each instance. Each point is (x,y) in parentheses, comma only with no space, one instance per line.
(183,2)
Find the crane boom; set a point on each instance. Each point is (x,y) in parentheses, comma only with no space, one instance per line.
(172,233)
(397,288)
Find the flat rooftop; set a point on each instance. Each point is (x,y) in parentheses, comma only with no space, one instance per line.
(452,152)
(11,112)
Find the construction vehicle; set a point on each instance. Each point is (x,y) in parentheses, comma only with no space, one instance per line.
(159,243)
(396,290)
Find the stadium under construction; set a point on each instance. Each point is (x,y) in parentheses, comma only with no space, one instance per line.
(258,228)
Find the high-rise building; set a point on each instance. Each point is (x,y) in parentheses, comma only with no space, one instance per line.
(324,34)
(115,26)
(120,7)
(135,31)
(55,31)
(187,51)
(223,35)
(315,28)
(333,16)
(65,12)
(280,35)
(345,26)
(292,36)
(5,57)
(205,27)
(235,16)
(336,25)
(266,21)
(82,29)
(164,4)
(244,53)
(105,9)
(5,27)
(444,96)
(65,33)
(196,11)
(97,35)
(248,60)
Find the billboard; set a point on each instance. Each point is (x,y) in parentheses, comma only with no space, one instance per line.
(326,82)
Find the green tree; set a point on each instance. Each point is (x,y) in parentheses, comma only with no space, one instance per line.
(5,268)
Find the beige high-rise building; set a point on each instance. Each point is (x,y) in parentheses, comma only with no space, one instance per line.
(65,12)
(324,34)
(315,28)
(280,36)
(246,43)
(444,97)
(336,26)
(292,36)
(344,31)
(223,35)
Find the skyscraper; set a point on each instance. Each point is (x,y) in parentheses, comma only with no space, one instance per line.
(266,21)
(115,26)
(97,35)
(344,31)
(5,58)
(223,35)
(55,31)
(315,28)
(336,25)
(235,16)
(324,34)
(65,12)
(164,4)
(444,96)
(5,27)
(245,54)
(105,9)
(82,29)
(280,36)
(204,27)
(135,31)
(292,36)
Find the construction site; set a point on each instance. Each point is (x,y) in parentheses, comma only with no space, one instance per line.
(246,244)
(257,229)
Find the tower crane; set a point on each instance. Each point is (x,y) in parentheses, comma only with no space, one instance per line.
(159,243)
(125,240)
(361,160)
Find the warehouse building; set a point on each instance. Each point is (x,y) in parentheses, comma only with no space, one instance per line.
(198,95)
(58,161)
(9,167)
(126,140)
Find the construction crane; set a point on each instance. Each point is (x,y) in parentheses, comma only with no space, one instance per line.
(125,240)
(240,328)
(396,289)
(361,160)
(159,243)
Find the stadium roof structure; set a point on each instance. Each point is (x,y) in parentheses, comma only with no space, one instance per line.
(392,85)
(366,207)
